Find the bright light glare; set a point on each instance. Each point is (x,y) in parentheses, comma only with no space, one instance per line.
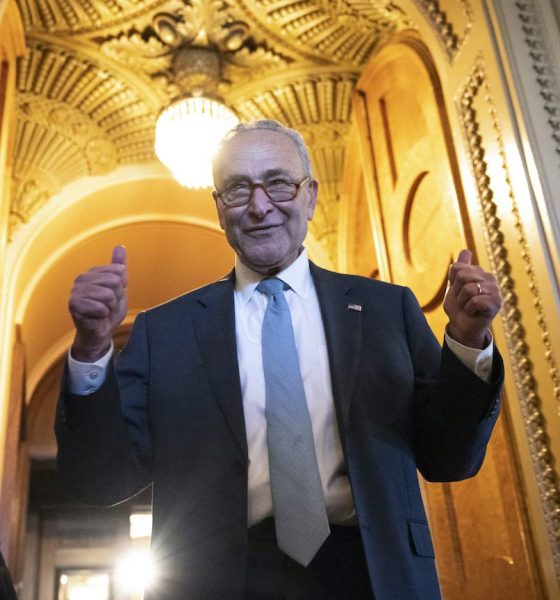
(140,525)
(135,572)
(187,137)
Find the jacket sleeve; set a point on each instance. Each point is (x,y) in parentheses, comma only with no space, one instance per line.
(104,445)
(454,410)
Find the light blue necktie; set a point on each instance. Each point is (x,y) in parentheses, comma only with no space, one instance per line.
(299,507)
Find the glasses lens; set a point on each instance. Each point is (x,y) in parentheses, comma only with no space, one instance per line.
(280,190)
(237,194)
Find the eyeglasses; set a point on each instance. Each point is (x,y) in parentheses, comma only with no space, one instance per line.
(277,189)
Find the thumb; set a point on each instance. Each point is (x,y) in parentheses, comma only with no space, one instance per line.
(119,255)
(465,257)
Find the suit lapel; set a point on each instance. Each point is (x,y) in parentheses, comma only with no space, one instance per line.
(342,320)
(214,324)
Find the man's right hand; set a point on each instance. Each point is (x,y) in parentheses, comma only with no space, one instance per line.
(98,306)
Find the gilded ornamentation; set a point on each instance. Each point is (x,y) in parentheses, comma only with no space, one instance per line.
(530,401)
(327,142)
(299,98)
(450,39)
(74,120)
(55,143)
(178,48)
(29,195)
(66,16)
(543,69)
(336,31)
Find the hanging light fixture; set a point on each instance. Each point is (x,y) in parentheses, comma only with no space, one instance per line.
(187,136)
(189,129)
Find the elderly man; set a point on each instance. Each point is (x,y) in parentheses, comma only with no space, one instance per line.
(281,413)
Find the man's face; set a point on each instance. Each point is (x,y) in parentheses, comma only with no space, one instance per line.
(266,236)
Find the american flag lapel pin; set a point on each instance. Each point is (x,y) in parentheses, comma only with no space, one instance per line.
(353,306)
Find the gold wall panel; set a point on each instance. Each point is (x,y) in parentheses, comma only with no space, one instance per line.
(406,143)
(477,108)
(415,173)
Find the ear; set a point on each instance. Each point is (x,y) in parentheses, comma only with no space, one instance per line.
(219,209)
(313,190)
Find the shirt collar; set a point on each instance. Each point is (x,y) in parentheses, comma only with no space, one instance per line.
(297,276)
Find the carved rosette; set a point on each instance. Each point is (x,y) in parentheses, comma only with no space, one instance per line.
(512,318)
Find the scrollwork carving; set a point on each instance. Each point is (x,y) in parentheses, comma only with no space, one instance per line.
(168,48)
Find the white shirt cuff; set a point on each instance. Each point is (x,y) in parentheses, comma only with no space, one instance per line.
(478,361)
(87,378)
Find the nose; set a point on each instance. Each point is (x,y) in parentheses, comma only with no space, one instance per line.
(260,204)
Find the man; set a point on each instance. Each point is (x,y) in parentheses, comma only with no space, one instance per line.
(281,422)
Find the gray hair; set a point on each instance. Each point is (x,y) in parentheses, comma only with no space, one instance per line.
(267,125)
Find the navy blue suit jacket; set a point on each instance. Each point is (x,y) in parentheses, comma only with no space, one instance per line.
(170,414)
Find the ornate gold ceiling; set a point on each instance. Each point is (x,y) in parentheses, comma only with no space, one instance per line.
(99,71)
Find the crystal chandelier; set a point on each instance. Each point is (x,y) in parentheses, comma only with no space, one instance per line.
(187,136)
(189,129)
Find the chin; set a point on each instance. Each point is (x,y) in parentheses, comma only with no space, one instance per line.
(268,258)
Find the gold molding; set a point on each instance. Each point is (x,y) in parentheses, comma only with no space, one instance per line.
(451,41)
(549,86)
(512,318)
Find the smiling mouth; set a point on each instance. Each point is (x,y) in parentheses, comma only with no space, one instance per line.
(261,228)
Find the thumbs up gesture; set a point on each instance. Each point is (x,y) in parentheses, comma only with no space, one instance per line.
(471,302)
(98,306)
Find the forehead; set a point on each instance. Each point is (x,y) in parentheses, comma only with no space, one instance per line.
(254,153)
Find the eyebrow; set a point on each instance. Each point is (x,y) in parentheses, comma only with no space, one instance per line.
(236,178)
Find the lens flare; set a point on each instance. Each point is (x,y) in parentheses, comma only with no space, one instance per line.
(135,572)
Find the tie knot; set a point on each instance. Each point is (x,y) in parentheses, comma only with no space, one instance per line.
(272,286)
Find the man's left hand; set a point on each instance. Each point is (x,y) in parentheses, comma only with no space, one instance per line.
(472,300)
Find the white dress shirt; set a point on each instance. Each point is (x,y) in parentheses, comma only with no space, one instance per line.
(250,305)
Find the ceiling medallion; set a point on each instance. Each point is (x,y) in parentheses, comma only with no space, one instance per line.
(198,37)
